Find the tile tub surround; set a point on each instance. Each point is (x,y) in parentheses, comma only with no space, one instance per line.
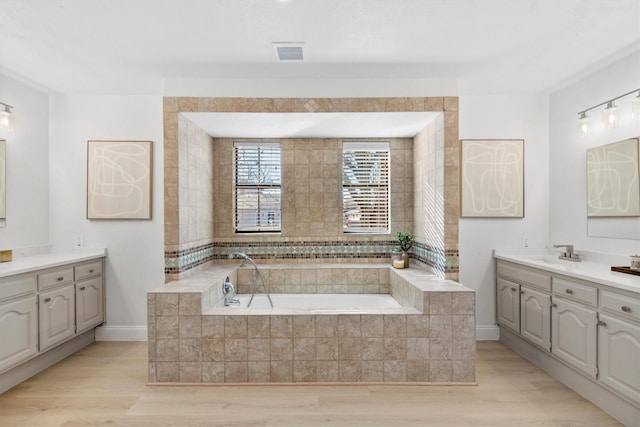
(194,339)
(187,227)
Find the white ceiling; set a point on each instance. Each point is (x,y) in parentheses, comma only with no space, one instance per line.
(490,46)
(312,125)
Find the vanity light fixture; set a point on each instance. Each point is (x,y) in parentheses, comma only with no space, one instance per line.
(6,116)
(610,113)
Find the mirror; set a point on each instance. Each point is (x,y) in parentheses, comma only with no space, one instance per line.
(3,185)
(613,190)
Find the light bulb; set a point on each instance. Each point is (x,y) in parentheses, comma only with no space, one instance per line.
(610,115)
(6,117)
(584,123)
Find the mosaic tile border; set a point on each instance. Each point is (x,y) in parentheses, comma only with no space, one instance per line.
(177,262)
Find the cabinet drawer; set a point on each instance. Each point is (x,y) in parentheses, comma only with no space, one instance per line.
(523,275)
(91,269)
(622,305)
(55,278)
(17,286)
(576,291)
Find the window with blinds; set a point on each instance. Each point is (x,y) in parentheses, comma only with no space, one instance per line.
(365,187)
(257,187)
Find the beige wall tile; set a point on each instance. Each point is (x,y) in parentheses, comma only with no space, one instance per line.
(235,372)
(167,327)
(212,372)
(395,370)
(212,350)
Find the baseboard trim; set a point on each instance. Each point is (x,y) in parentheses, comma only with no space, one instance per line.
(487,333)
(121,333)
(41,362)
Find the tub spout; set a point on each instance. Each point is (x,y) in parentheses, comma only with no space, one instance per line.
(246,257)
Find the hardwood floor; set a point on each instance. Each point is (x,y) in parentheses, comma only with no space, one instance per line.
(104,385)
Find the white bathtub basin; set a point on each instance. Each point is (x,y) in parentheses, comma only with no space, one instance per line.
(321,301)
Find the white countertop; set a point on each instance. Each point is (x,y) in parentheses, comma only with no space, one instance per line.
(592,271)
(38,262)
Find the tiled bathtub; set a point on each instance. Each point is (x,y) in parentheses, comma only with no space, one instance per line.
(430,338)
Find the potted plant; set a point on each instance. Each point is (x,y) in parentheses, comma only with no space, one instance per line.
(406,242)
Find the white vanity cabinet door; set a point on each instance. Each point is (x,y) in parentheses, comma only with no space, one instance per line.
(508,298)
(573,335)
(619,356)
(535,317)
(19,326)
(89,307)
(57,316)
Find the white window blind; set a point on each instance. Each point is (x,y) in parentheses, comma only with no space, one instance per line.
(365,187)
(257,187)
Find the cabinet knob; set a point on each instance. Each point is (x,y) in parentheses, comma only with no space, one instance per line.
(569,291)
(60,279)
(513,289)
(91,270)
(554,305)
(82,288)
(47,300)
(626,309)
(522,292)
(601,323)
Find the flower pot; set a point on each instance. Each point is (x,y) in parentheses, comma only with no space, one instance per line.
(405,258)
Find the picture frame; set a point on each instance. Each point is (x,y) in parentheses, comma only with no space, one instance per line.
(119,179)
(613,186)
(492,178)
(3,179)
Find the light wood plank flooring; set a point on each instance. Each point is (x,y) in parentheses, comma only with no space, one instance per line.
(104,385)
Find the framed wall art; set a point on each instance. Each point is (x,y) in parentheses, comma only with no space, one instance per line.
(613,189)
(119,179)
(492,178)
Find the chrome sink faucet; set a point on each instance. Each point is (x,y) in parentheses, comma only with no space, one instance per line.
(568,254)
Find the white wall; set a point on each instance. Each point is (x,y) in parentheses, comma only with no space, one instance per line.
(135,258)
(504,117)
(568,196)
(26,229)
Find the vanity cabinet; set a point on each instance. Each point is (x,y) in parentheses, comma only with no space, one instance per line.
(523,303)
(47,308)
(89,306)
(508,304)
(584,333)
(535,315)
(619,343)
(18,315)
(56,310)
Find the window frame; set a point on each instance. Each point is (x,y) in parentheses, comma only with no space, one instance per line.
(259,187)
(364,147)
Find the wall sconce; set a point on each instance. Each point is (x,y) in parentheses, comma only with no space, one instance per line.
(610,114)
(6,116)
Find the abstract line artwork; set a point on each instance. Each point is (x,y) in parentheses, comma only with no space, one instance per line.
(3,184)
(119,179)
(613,189)
(492,178)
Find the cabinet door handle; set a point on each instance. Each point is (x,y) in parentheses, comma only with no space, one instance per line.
(522,292)
(569,291)
(626,309)
(602,323)
(513,289)
(60,279)
(47,300)
(91,271)
(554,305)
(82,288)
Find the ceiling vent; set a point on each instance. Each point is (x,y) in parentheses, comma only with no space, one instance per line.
(289,51)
